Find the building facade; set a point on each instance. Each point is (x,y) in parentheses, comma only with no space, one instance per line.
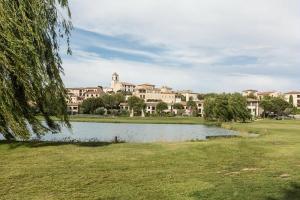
(293,96)
(117,85)
(250,93)
(149,93)
(253,107)
(77,95)
(262,95)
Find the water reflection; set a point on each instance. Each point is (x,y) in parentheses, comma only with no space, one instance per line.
(106,132)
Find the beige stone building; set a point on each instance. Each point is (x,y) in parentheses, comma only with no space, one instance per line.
(77,95)
(117,85)
(295,95)
(253,104)
(189,95)
(247,93)
(253,107)
(149,93)
(261,95)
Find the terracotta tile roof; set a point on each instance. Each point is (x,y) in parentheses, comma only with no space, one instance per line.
(146,84)
(266,93)
(293,92)
(124,83)
(250,90)
(94,92)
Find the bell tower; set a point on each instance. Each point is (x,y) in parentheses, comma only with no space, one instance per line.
(114,80)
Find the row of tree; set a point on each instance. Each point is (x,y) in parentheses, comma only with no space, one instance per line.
(233,107)
(111,102)
(106,101)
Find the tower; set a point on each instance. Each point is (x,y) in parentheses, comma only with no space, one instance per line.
(114,80)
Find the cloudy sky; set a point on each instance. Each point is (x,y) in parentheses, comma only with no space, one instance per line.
(202,45)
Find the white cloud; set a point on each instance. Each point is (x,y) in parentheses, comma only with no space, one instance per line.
(199,33)
(190,22)
(91,71)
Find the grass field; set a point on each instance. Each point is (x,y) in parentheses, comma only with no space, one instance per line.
(252,168)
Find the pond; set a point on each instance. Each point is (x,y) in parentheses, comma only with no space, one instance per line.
(141,133)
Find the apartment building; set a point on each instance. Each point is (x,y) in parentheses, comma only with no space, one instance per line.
(293,96)
(189,95)
(149,93)
(261,95)
(77,95)
(247,93)
(253,107)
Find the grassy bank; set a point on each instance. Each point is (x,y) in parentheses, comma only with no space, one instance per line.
(141,120)
(259,168)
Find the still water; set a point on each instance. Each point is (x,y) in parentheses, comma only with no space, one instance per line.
(106,132)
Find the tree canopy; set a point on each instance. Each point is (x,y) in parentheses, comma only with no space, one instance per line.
(191,105)
(31,33)
(226,107)
(160,107)
(90,105)
(200,96)
(136,103)
(276,106)
(178,106)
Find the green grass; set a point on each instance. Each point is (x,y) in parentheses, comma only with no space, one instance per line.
(141,120)
(266,167)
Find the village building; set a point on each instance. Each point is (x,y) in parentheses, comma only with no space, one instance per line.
(262,95)
(77,95)
(253,107)
(294,96)
(149,93)
(118,86)
(153,95)
(250,93)
(189,95)
(73,108)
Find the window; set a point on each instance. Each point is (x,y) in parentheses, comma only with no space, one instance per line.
(298,96)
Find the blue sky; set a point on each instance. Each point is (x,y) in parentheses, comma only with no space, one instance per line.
(205,46)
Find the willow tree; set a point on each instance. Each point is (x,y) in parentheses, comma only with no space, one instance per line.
(31,32)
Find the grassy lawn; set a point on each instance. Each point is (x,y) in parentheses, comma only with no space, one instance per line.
(252,168)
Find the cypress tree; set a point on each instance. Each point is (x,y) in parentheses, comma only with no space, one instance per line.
(291,99)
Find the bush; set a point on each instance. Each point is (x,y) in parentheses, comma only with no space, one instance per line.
(100,111)
(89,106)
(160,107)
(124,113)
(113,112)
(180,112)
(171,114)
(178,106)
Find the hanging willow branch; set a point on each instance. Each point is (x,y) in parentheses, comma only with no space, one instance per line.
(31,32)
